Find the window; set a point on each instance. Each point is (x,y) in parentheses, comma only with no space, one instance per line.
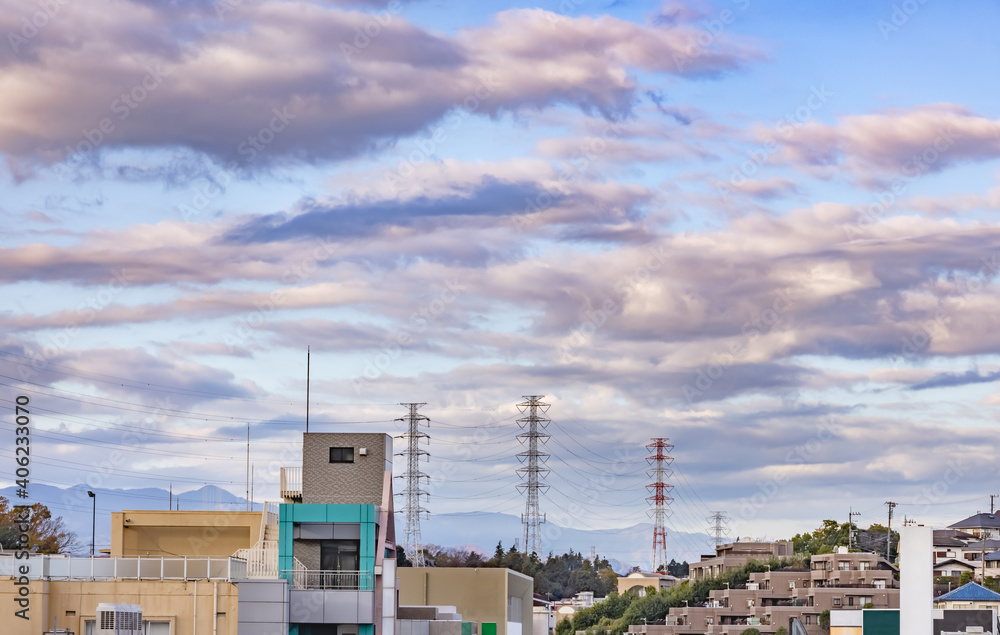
(836,601)
(864,566)
(865,600)
(844,565)
(809,619)
(340,555)
(850,600)
(341,455)
(879,584)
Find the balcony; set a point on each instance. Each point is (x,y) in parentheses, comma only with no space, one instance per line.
(291,483)
(299,579)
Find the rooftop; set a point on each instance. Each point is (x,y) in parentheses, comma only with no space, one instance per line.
(978,521)
(970,592)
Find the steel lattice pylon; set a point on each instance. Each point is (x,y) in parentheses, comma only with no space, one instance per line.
(660,461)
(412,492)
(718,527)
(533,470)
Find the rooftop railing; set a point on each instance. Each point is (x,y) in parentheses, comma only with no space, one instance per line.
(54,567)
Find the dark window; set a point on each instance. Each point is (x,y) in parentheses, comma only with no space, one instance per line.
(341,455)
(340,555)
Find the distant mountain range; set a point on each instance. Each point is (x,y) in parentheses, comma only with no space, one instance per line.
(623,547)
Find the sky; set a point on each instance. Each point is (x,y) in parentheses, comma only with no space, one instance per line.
(766,231)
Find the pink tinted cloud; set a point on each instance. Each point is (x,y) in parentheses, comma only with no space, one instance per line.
(901,142)
(297,79)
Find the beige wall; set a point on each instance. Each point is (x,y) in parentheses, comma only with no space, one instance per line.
(72,602)
(181,533)
(480,595)
(358,483)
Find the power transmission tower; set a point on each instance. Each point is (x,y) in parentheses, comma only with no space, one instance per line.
(850,527)
(718,527)
(413,492)
(533,470)
(660,461)
(888,533)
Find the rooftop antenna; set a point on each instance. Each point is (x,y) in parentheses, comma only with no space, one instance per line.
(307,389)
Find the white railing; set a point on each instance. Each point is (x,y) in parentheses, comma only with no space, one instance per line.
(44,567)
(261,560)
(291,482)
(268,516)
(344,580)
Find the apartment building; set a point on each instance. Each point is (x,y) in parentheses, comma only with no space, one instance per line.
(735,555)
(772,599)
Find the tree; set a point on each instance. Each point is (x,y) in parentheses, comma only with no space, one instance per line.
(564,627)
(401,559)
(965,578)
(781,631)
(750,631)
(824,620)
(45,533)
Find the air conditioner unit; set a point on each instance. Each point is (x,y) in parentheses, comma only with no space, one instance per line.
(118,619)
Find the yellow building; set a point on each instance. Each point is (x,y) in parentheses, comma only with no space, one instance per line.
(498,596)
(172,533)
(178,595)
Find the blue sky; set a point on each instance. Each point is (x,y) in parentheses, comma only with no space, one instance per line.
(765,230)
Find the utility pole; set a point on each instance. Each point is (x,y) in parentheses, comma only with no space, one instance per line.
(412,492)
(992,496)
(718,528)
(533,471)
(850,527)
(660,461)
(888,536)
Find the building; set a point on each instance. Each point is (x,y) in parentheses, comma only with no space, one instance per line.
(320,563)
(774,599)
(640,581)
(887,622)
(979,525)
(487,596)
(969,596)
(736,554)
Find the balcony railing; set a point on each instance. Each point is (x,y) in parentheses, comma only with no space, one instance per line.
(44,567)
(291,482)
(342,580)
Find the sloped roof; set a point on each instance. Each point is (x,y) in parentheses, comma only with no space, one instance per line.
(978,521)
(961,563)
(970,592)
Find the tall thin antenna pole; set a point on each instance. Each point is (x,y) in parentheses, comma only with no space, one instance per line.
(248,467)
(412,542)
(660,461)
(718,527)
(533,470)
(251,487)
(307,388)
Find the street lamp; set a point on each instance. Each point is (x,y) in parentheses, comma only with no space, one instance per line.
(93,526)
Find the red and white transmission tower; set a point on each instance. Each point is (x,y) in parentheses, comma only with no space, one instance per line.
(660,461)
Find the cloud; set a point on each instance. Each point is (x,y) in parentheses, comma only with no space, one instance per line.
(950,380)
(277,81)
(490,197)
(900,142)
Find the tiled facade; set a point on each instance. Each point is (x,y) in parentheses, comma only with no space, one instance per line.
(357,483)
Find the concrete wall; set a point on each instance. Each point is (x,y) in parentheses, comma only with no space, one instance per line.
(480,595)
(173,533)
(351,483)
(73,601)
